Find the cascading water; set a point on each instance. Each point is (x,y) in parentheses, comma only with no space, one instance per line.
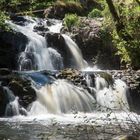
(12,108)
(55,28)
(36,55)
(112,97)
(62,97)
(76,52)
(56,58)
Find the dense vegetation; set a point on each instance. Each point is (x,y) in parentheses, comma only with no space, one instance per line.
(123,23)
(121,20)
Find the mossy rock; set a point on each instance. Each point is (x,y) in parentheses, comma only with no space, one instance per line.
(107,77)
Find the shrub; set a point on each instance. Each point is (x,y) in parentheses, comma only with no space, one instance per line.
(95,13)
(3,18)
(71,20)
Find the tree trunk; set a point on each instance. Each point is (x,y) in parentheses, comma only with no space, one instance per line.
(138,2)
(120,27)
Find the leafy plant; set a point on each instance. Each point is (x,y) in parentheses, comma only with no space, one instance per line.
(71,20)
(3,18)
(129,16)
(95,13)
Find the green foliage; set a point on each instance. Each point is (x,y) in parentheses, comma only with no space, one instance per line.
(95,13)
(129,13)
(3,18)
(71,20)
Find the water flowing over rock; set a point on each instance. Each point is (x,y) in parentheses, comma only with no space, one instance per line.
(38,92)
(38,52)
(16,93)
(76,52)
(95,45)
(62,97)
(35,51)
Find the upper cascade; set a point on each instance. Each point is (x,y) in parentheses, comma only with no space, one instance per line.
(37,55)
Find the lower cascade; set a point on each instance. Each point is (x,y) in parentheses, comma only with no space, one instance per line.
(62,97)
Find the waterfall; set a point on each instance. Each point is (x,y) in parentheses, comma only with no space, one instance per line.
(75,51)
(56,27)
(12,107)
(36,55)
(56,58)
(62,97)
(111,97)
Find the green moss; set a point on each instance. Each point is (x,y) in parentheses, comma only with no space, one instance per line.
(95,13)
(107,77)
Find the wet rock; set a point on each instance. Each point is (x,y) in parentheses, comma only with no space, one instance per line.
(107,77)
(11,43)
(56,41)
(21,87)
(74,76)
(20,20)
(3,101)
(4,71)
(40,29)
(50,22)
(16,85)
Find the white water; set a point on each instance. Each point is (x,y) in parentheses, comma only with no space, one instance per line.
(12,108)
(62,97)
(56,58)
(109,97)
(75,51)
(37,47)
(56,27)
(36,55)
(98,118)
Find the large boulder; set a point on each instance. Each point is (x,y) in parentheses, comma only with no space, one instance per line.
(11,43)
(56,41)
